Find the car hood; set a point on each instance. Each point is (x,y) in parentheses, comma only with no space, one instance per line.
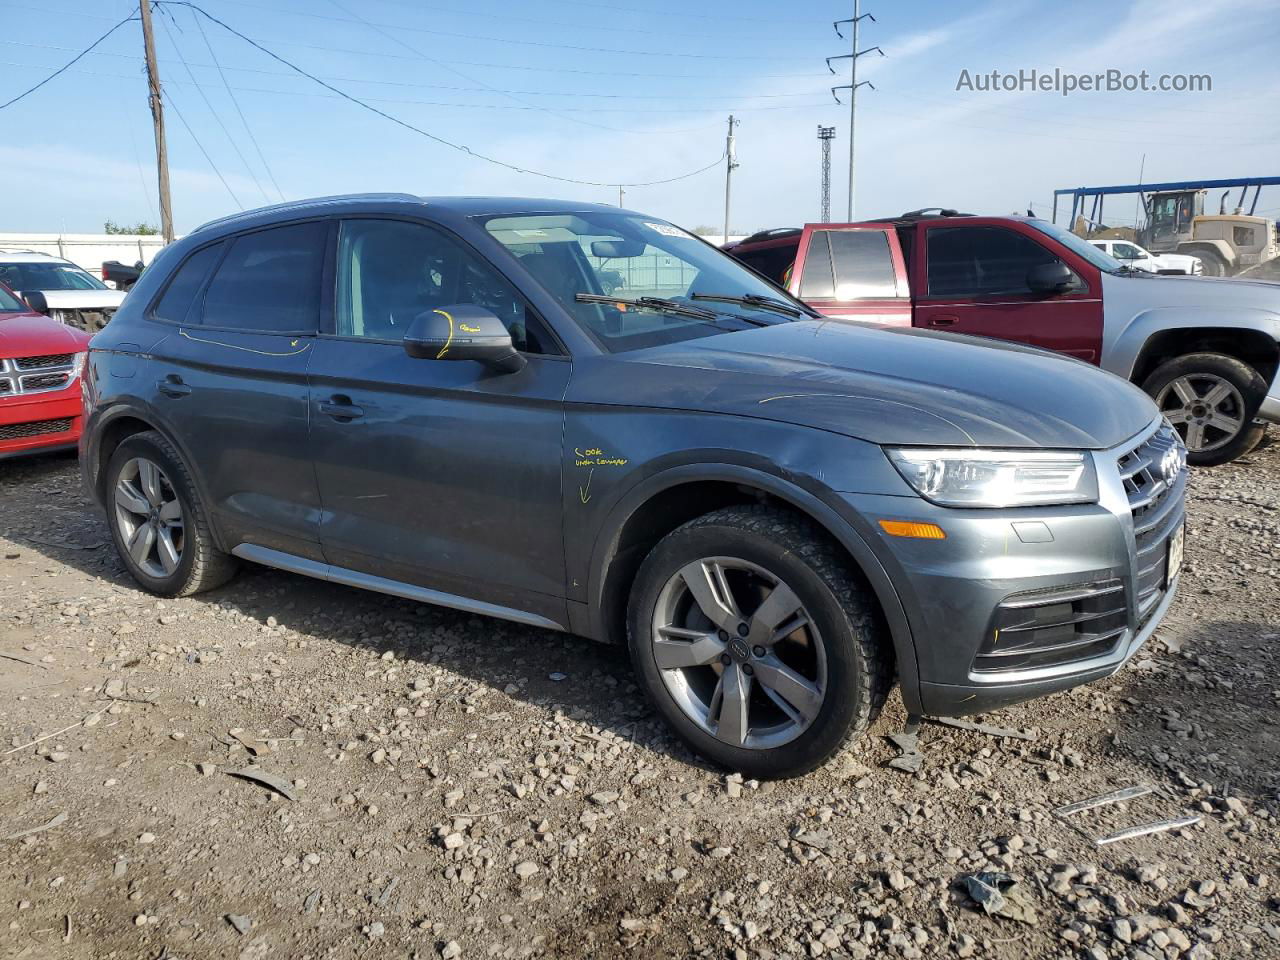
(1185,291)
(887,386)
(82,299)
(31,335)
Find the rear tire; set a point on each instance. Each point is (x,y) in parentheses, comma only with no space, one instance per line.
(158,522)
(798,657)
(1211,263)
(1211,400)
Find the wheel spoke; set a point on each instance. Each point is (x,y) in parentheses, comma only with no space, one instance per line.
(777,608)
(1186,393)
(1225,423)
(144,537)
(775,675)
(685,648)
(171,512)
(1217,394)
(149,476)
(710,588)
(1195,435)
(167,552)
(129,499)
(735,696)
(1177,416)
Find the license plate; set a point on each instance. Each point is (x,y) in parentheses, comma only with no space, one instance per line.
(1174,565)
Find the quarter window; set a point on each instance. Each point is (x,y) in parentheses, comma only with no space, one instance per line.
(175,304)
(848,265)
(390,271)
(269,281)
(981,261)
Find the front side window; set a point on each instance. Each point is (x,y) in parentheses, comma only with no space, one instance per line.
(982,261)
(848,265)
(1126,251)
(390,271)
(630,257)
(48,276)
(269,281)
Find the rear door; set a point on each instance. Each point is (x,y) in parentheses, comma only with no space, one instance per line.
(852,273)
(231,380)
(972,278)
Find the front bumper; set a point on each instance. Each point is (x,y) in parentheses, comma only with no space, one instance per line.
(1018,603)
(1270,409)
(40,423)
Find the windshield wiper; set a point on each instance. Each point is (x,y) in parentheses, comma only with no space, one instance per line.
(753,300)
(651,303)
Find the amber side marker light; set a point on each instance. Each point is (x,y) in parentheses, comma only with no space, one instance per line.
(917,531)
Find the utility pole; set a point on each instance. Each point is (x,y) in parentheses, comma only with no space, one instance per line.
(621,193)
(825,136)
(157,118)
(853,84)
(730,166)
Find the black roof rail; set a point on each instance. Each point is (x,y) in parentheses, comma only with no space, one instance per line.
(924,213)
(773,234)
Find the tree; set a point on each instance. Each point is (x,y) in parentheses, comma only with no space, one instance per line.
(142,229)
(705,231)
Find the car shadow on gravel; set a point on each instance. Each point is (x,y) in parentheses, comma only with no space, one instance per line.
(556,672)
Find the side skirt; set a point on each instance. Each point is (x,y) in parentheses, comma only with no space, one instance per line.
(395,588)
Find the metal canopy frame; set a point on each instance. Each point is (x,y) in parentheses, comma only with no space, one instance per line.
(1081,195)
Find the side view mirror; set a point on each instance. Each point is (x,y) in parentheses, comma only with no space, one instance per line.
(1050,278)
(36,301)
(463,332)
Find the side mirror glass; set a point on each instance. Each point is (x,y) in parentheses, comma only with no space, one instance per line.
(1050,278)
(36,301)
(463,332)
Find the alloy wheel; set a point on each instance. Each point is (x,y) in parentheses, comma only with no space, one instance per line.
(149,517)
(739,653)
(1206,409)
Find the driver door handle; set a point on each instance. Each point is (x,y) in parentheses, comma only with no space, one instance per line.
(943,321)
(340,407)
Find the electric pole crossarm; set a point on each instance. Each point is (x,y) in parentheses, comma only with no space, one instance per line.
(865,16)
(850,86)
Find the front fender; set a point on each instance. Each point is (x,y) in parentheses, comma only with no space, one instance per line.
(835,523)
(1127,338)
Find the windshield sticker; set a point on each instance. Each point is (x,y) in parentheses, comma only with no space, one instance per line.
(666,229)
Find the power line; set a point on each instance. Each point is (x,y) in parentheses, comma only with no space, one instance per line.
(208,103)
(230,93)
(431,136)
(69,63)
(170,101)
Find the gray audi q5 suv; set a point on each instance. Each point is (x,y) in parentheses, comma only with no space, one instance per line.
(585,419)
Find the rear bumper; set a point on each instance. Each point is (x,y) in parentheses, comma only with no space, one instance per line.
(41,423)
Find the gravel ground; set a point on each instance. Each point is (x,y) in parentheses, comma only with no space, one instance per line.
(460,787)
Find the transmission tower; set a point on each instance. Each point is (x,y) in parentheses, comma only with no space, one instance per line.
(825,136)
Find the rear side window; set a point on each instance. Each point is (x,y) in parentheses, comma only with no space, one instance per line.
(981,261)
(269,281)
(175,304)
(848,265)
(771,262)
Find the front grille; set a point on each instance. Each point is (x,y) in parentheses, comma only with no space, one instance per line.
(48,360)
(1154,475)
(1044,628)
(34,428)
(40,374)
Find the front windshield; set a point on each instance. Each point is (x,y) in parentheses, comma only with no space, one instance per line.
(9,303)
(631,257)
(1079,246)
(48,276)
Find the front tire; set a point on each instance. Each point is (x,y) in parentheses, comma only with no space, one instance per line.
(1211,399)
(158,522)
(756,642)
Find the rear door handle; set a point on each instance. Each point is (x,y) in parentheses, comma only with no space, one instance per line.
(172,386)
(341,408)
(944,321)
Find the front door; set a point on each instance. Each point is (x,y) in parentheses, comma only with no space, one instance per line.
(434,472)
(230,379)
(973,279)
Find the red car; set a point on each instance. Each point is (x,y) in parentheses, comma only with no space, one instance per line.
(40,364)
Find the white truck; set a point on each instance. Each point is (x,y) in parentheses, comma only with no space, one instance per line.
(1137,258)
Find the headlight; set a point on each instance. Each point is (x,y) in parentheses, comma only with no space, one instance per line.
(77,366)
(997,478)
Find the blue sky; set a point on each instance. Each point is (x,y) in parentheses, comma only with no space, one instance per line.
(605,90)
